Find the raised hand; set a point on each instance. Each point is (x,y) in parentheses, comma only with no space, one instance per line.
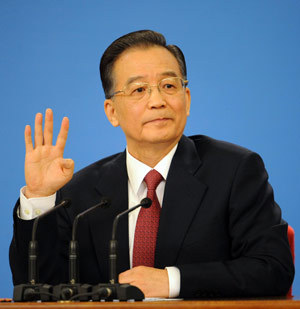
(46,171)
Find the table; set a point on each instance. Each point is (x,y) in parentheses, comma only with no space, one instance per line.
(293,302)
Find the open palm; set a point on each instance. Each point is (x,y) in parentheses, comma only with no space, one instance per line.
(46,171)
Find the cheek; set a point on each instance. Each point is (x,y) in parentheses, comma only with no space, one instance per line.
(181,108)
(130,116)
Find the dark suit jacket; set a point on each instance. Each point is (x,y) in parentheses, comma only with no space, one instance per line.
(219,224)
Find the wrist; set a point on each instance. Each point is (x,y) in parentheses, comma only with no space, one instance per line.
(35,194)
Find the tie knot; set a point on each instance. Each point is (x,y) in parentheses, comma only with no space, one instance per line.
(152,179)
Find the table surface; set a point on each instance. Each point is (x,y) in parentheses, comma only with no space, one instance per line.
(293,302)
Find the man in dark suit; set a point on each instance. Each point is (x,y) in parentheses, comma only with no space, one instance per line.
(219,232)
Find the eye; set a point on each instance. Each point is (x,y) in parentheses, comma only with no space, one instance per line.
(138,92)
(137,89)
(169,86)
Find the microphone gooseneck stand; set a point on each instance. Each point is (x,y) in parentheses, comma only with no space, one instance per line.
(33,291)
(115,290)
(74,289)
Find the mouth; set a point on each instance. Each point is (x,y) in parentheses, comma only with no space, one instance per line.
(160,120)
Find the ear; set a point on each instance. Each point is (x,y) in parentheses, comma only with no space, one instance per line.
(188,100)
(111,113)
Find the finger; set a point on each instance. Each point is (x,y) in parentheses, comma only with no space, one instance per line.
(38,130)
(68,164)
(134,273)
(68,167)
(63,134)
(126,276)
(48,130)
(28,139)
(124,280)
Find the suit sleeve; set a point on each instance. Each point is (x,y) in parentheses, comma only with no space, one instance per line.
(261,262)
(52,265)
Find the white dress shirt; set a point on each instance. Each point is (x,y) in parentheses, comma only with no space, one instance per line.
(137,190)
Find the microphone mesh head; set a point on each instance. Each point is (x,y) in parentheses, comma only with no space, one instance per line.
(67,202)
(105,202)
(146,202)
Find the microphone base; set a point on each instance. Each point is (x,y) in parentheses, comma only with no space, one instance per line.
(32,292)
(122,292)
(65,291)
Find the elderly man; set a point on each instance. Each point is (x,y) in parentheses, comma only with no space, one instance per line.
(213,229)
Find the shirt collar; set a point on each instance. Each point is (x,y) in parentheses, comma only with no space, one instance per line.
(137,170)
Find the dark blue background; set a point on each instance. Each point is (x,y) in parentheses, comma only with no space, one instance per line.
(243,67)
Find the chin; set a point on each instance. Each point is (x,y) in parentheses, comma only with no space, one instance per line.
(160,135)
(161,138)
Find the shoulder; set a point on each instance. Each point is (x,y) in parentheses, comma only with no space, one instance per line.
(222,153)
(206,145)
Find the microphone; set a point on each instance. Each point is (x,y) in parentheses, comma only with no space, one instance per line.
(33,275)
(34,291)
(73,288)
(145,203)
(114,290)
(73,249)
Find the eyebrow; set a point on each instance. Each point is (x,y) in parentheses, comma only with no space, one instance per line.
(135,78)
(169,73)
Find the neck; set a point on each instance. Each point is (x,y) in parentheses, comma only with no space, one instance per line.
(151,154)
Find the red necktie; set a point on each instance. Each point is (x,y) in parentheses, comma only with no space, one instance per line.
(147,225)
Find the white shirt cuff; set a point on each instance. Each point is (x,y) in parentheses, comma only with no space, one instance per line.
(33,207)
(174,281)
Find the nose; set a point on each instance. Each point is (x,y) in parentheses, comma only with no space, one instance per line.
(155,97)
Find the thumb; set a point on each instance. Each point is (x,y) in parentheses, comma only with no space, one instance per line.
(68,163)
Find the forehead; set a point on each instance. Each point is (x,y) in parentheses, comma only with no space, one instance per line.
(148,63)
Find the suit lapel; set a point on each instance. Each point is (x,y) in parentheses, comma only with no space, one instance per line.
(182,198)
(113,183)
